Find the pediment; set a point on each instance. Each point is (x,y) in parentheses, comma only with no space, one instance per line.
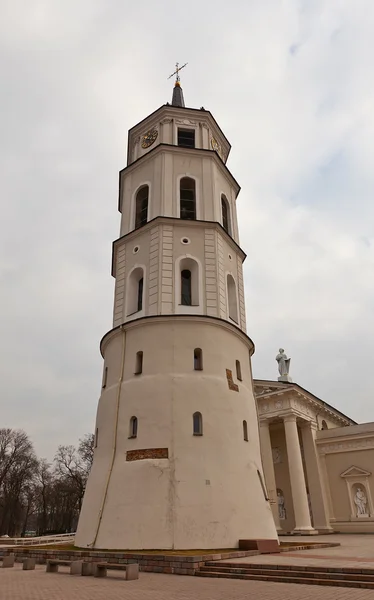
(355,472)
(264,390)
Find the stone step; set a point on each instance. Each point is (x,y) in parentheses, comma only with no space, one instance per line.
(303,579)
(321,574)
(283,567)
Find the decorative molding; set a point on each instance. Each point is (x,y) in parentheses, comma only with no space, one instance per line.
(166,120)
(186,122)
(278,404)
(300,401)
(361,444)
(132,455)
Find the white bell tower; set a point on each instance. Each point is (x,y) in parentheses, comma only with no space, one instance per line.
(177,459)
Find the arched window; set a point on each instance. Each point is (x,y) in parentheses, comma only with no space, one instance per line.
(232,300)
(139,363)
(197,423)
(198,359)
(324,424)
(189,282)
(245,431)
(141,207)
(225,208)
(187,198)
(133,427)
(135,291)
(238,370)
(186,288)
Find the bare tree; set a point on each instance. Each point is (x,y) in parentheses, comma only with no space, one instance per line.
(37,495)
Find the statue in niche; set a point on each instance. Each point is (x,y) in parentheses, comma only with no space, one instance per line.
(283,366)
(281,506)
(360,501)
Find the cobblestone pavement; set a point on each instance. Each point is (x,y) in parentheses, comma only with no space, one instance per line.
(16,584)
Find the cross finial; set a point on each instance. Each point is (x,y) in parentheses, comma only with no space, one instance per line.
(176,72)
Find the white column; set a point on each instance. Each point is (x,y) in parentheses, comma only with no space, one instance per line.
(297,479)
(268,466)
(318,500)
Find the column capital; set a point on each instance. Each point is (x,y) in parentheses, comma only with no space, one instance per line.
(291,418)
(309,425)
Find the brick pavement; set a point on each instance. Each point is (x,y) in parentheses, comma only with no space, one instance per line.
(16,584)
(355,551)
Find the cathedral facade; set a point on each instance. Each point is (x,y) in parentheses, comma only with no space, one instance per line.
(190,451)
(318,463)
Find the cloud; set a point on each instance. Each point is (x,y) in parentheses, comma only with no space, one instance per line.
(290,84)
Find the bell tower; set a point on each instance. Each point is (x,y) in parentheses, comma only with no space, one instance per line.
(177,454)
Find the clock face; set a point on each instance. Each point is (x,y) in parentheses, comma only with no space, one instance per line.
(149,138)
(215,145)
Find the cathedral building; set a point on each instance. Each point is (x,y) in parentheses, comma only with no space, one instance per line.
(190,451)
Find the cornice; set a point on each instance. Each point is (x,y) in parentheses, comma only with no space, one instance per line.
(167,148)
(345,443)
(156,319)
(177,223)
(295,391)
(175,112)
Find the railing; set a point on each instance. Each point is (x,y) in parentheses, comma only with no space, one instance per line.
(60,538)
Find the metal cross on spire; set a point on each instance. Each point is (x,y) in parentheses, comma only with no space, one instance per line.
(176,72)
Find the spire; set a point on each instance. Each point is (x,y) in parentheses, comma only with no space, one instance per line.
(177,99)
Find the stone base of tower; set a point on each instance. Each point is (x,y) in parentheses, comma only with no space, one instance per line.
(170,487)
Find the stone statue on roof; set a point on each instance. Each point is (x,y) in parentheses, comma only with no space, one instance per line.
(283,366)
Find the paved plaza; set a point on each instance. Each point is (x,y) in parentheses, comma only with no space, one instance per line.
(16,584)
(354,551)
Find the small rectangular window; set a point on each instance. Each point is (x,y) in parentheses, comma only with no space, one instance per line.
(140,293)
(238,370)
(105,377)
(96,437)
(139,363)
(186,138)
(198,359)
(197,423)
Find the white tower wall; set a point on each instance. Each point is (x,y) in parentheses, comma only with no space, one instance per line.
(208,492)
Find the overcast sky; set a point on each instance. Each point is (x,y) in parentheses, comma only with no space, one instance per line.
(291,84)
